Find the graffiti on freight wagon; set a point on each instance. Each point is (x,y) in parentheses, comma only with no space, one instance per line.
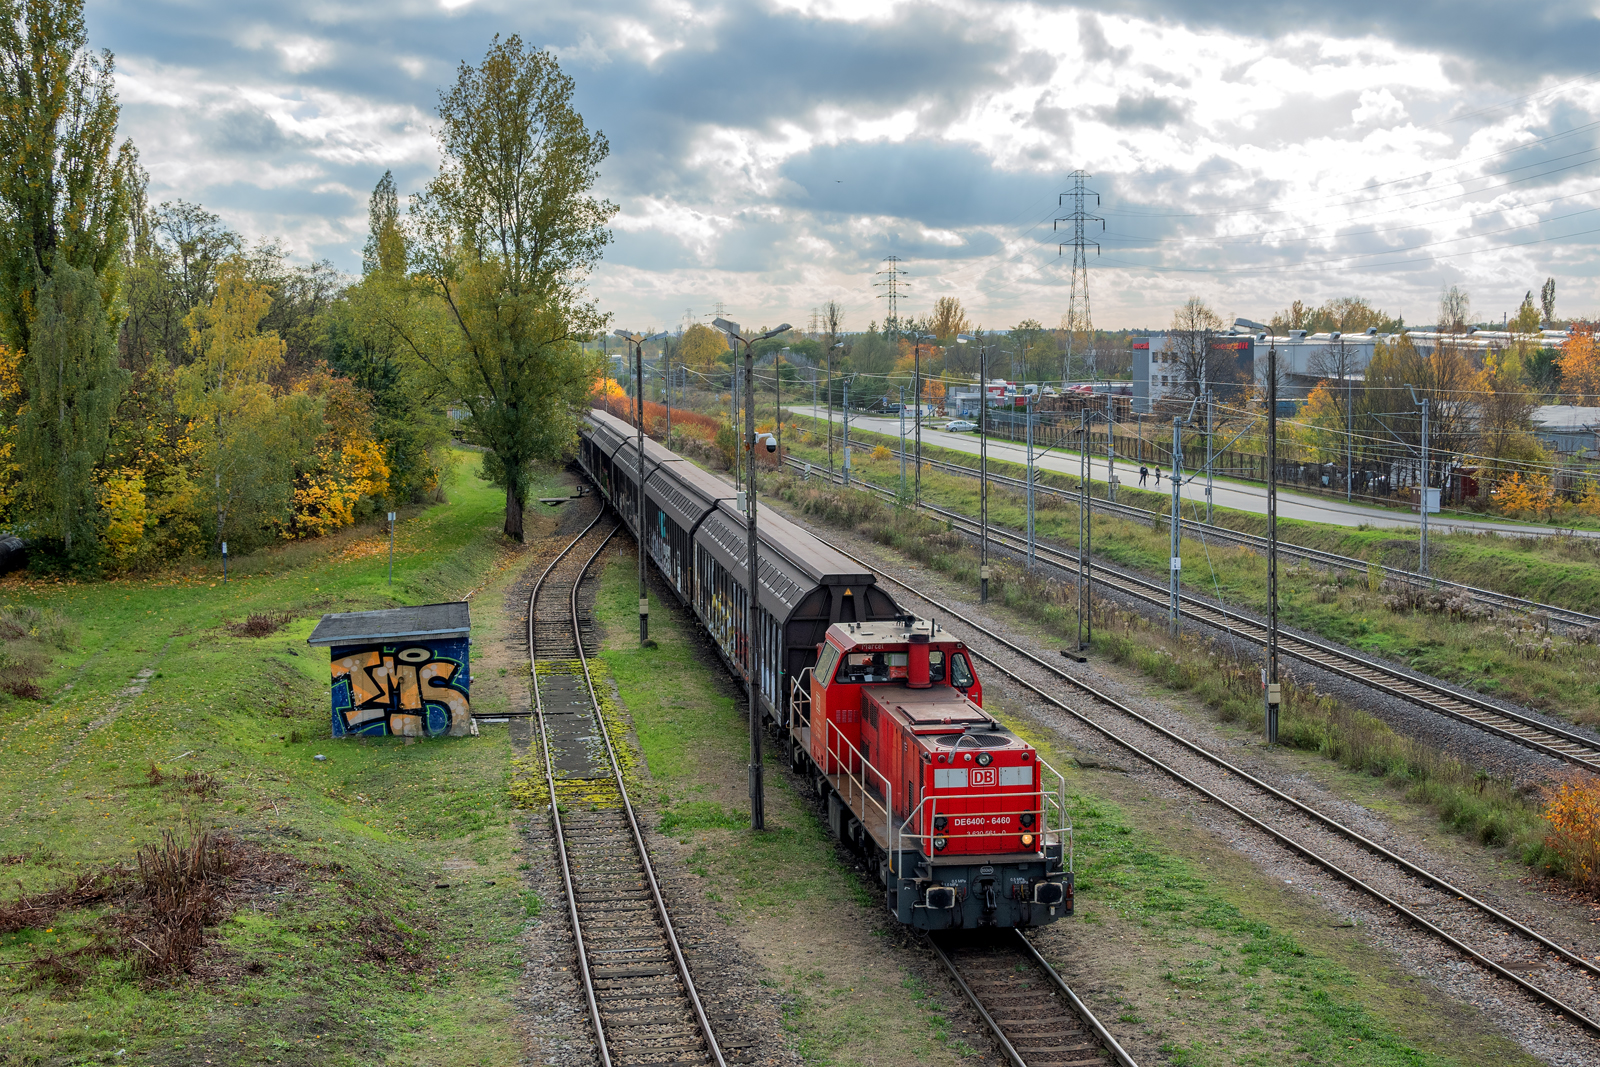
(401,690)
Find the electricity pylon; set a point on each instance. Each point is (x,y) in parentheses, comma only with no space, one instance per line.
(1078,319)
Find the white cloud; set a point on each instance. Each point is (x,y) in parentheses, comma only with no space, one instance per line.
(1377,105)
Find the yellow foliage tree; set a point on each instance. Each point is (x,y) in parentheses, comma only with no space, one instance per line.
(1579,362)
(700,347)
(122,501)
(246,438)
(1518,493)
(349,465)
(1572,807)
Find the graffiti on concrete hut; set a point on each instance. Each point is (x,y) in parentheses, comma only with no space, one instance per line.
(401,690)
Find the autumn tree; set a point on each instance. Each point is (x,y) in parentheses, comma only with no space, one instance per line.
(701,347)
(247,440)
(1579,364)
(1547,301)
(65,209)
(948,318)
(506,234)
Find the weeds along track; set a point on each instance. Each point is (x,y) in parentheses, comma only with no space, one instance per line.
(640,997)
(1037,1019)
(1542,737)
(1397,889)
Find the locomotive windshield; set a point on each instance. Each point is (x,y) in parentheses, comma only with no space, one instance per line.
(960,673)
(825,662)
(860,667)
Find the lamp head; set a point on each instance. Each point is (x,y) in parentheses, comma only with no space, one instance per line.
(731,328)
(626,336)
(773,333)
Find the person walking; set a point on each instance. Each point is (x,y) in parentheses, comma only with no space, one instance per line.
(1158,475)
(1144,472)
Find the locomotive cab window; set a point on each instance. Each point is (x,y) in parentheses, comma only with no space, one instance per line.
(860,667)
(825,662)
(936,666)
(960,672)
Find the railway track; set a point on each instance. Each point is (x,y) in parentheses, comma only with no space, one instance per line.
(1035,1016)
(1549,740)
(639,994)
(1568,617)
(1488,936)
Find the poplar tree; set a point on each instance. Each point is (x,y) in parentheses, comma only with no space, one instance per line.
(505,236)
(63,223)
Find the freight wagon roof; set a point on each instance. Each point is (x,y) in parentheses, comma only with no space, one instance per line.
(607,431)
(686,492)
(655,454)
(816,560)
(453,619)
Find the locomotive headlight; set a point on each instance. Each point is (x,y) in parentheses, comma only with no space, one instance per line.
(1027,840)
(984,759)
(939,822)
(939,843)
(1027,818)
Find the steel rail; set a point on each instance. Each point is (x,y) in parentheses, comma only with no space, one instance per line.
(1283,838)
(638,837)
(1419,691)
(1074,1002)
(555,809)
(1116,1050)
(1322,557)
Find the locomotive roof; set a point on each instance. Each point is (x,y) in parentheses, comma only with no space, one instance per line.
(937,705)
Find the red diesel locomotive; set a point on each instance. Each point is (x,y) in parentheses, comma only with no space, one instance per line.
(958,818)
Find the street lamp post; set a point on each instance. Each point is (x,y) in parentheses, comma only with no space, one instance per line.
(1273,692)
(638,393)
(758,817)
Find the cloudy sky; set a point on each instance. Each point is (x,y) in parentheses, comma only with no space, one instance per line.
(770,155)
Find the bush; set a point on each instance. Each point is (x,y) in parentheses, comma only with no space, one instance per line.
(1572,806)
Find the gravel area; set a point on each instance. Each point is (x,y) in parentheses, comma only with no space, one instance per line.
(1535,1026)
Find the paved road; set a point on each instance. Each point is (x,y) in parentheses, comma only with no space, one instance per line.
(1241,496)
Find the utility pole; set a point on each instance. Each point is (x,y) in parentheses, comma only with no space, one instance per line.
(916,380)
(1177,560)
(1027,413)
(1422,551)
(902,443)
(777,401)
(829,391)
(637,342)
(1273,692)
(1211,412)
(1111,449)
(1085,591)
(983,474)
(752,624)
(845,444)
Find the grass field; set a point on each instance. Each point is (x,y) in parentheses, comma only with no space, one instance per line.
(376,907)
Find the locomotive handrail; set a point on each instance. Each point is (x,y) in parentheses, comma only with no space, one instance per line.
(800,694)
(1064,832)
(889,836)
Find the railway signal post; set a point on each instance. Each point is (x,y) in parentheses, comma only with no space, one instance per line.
(758,815)
(983,467)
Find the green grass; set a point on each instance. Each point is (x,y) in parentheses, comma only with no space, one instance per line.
(374,824)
